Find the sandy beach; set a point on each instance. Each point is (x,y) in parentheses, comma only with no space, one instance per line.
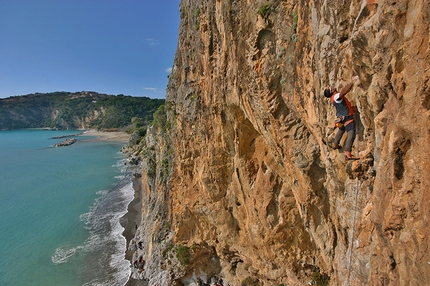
(129,222)
(132,218)
(107,136)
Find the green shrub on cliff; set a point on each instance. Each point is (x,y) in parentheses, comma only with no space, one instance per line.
(264,10)
(249,281)
(160,118)
(183,254)
(294,36)
(161,121)
(295,20)
(320,279)
(180,251)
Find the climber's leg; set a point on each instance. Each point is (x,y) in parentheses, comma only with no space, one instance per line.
(350,129)
(339,135)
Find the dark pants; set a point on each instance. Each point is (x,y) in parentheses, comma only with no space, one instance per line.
(350,129)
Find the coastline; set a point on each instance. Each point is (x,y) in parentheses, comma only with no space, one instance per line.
(129,222)
(132,218)
(115,136)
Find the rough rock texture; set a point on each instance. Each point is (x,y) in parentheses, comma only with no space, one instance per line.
(241,180)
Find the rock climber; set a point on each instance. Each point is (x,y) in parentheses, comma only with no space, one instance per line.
(344,112)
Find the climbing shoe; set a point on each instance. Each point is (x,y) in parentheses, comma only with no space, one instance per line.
(337,146)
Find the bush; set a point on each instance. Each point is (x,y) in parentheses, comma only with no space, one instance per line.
(264,11)
(160,118)
(183,254)
(295,20)
(249,281)
(320,279)
(142,131)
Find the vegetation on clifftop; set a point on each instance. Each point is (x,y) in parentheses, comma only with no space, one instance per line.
(66,110)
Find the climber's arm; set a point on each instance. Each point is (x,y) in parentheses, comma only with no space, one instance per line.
(347,88)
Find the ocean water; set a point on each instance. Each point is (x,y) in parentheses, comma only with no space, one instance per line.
(60,210)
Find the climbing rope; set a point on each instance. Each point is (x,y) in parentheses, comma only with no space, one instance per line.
(353,230)
(357,187)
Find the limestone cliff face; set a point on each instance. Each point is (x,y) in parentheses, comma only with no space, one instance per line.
(244,184)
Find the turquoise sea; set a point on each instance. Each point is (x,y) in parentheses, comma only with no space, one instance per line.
(60,209)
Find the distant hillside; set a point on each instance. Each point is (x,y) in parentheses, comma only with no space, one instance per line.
(66,110)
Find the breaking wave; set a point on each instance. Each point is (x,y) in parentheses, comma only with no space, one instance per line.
(104,249)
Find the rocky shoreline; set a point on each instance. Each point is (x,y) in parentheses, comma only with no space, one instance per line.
(131,220)
(66,142)
(99,136)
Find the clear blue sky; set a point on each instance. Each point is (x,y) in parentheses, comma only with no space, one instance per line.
(108,46)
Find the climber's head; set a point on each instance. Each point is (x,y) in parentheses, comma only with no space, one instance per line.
(329,91)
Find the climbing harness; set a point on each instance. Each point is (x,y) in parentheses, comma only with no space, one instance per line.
(343,121)
(338,123)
